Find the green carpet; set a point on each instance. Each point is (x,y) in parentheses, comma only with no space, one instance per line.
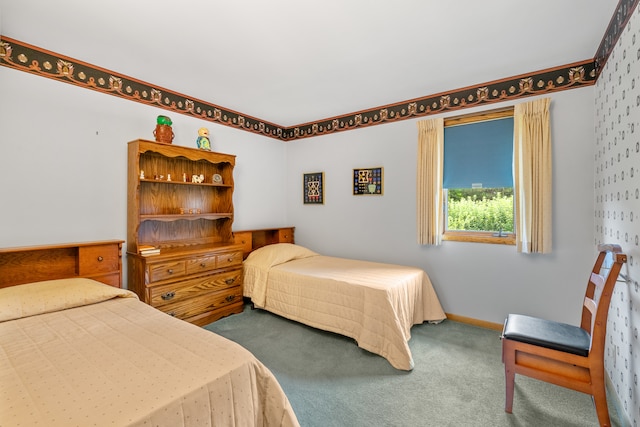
(458,379)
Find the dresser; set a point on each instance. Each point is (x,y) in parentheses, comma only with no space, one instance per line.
(197,285)
(181,254)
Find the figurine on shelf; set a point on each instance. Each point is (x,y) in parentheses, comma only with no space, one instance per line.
(203,142)
(163,131)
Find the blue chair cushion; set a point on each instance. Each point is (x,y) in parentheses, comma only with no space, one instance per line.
(547,333)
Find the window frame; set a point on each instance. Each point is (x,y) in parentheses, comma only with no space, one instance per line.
(475,236)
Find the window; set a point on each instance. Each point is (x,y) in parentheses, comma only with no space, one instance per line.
(478,178)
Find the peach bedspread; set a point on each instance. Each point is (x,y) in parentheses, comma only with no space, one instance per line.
(120,362)
(374,303)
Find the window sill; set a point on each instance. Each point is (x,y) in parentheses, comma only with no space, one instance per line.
(479,237)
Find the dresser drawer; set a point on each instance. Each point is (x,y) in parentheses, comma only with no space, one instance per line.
(229,259)
(192,288)
(166,270)
(200,264)
(98,259)
(203,303)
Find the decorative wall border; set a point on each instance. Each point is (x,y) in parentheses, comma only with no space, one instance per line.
(32,59)
(24,57)
(537,83)
(618,22)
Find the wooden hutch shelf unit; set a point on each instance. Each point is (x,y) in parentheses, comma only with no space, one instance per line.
(197,274)
(100,261)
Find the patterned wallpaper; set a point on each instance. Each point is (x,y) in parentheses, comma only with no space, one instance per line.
(617,204)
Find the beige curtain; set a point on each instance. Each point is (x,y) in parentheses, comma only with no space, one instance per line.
(532,176)
(429,181)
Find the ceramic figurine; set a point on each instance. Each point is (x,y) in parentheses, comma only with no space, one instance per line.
(164,120)
(203,139)
(163,131)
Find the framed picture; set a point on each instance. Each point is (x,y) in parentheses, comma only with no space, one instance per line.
(313,188)
(368,181)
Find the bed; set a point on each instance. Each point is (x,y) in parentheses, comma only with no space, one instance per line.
(376,304)
(77,352)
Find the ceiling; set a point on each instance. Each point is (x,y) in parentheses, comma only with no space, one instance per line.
(290,62)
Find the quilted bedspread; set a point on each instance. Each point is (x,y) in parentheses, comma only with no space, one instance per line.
(374,303)
(120,362)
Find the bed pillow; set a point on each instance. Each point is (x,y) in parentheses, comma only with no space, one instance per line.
(35,298)
(260,261)
(270,255)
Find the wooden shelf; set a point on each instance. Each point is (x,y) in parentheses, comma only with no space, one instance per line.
(154,204)
(202,184)
(188,217)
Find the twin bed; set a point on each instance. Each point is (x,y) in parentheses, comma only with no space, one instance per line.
(376,304)
(77,352)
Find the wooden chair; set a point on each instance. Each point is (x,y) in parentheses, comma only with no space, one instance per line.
(562,354)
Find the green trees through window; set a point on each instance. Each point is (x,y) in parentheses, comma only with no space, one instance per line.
(480,209)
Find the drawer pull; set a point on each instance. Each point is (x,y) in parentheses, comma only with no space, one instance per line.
(100,259)
(172,313)
(168,295)
(230,281)
(170,271)
(230,260)
(230,298)
(203,265)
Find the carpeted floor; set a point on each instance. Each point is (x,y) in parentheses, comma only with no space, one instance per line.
(458,379)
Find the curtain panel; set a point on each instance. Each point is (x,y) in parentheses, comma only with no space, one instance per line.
(532,176)
(429,181)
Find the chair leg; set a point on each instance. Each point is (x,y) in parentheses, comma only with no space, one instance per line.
(600,401)
(508,358)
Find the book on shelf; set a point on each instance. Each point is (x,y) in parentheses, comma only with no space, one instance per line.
(145,250)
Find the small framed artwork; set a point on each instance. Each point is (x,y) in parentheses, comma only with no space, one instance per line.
(313,188)
(368,181)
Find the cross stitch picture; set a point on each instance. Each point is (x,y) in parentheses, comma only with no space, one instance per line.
(313,188)
(368,181)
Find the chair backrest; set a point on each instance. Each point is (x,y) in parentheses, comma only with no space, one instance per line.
(597,298)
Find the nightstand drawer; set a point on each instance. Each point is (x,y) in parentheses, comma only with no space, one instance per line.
(203,303)
(200,264)
(229,259)
(98,259)
(192,288)
(166,270)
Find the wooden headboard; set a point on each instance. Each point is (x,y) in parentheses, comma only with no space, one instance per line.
(254,239)
(100,260)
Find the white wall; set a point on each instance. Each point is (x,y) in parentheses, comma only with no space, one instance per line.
(480,281)
(63,162)
(63,169)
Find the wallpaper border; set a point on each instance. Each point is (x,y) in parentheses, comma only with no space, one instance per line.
(32,59)
(618,22)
